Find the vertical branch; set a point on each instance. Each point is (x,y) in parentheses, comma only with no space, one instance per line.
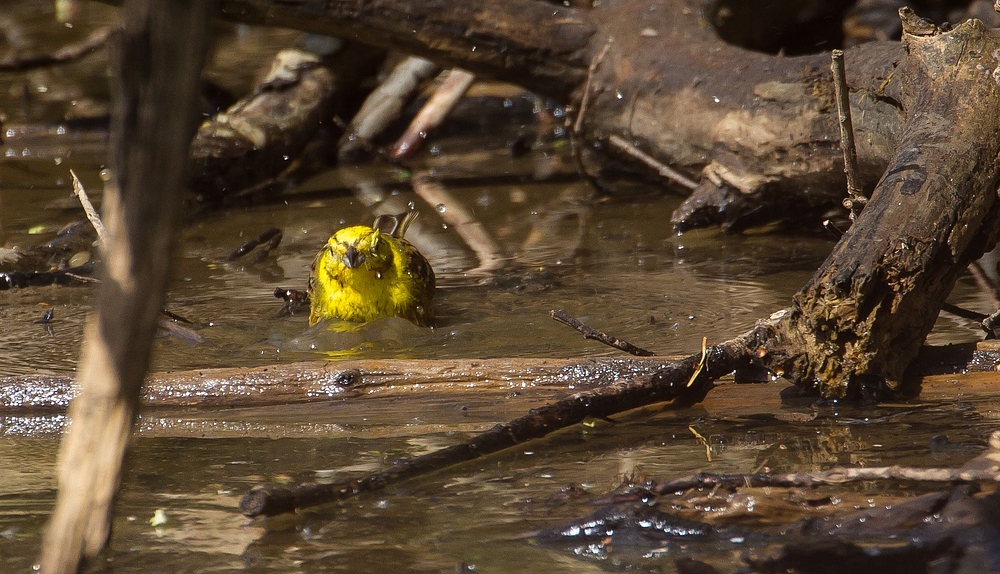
(155,88)
(855,200)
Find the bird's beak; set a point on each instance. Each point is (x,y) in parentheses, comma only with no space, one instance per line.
(353,258)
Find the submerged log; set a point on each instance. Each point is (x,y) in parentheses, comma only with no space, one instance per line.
(310,382)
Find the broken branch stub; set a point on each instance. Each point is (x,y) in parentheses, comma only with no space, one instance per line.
(866,311)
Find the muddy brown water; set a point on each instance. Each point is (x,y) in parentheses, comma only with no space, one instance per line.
(615,264)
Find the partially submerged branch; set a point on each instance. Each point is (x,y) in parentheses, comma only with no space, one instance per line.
(601,337)
(672,383)
(262,135)
(865,313)
(384,105)
(444,99)
(68,53)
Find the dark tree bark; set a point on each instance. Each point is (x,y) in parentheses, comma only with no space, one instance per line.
(872,303)
(756,124)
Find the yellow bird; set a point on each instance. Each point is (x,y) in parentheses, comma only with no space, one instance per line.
(364,273)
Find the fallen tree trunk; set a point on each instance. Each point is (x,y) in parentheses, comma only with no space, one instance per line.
(756,124)
(863,316)
(310,382)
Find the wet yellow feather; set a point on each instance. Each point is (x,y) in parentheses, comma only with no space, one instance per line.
(363,274)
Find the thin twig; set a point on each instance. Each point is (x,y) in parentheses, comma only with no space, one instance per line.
(578,124)
(963,313)
(662,169)
(702,440)
(88,208)
(575,135)
(855,200)
(621,345)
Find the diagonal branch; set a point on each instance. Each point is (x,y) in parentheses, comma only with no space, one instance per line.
(669,384)
(502,38)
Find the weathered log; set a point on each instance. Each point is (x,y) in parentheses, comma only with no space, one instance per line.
(308,382)
(503,39)
(325,380)
(866,311)
(260,136)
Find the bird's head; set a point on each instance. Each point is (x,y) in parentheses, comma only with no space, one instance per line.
(359,247)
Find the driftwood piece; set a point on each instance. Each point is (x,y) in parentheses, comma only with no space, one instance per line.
(259,137)
(444,99)
(159,61)
(325,380)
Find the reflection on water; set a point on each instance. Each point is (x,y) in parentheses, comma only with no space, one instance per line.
(478,513)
